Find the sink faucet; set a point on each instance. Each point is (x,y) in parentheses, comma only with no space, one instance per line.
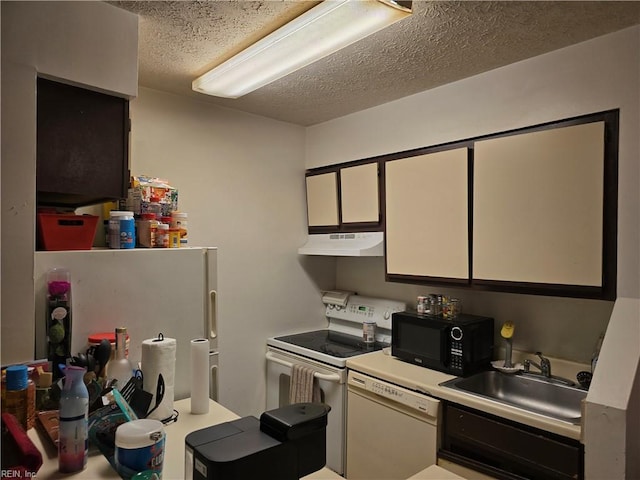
(544,366)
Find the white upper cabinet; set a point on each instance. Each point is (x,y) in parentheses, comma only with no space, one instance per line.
(322,200)
(359,193)
(427,218)
(538,206)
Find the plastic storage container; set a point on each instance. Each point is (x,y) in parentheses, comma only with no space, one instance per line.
(95,338)
(66,232)
(140,446)
(115,216)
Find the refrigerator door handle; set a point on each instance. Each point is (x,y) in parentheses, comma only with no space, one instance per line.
(213,375)
(213,314)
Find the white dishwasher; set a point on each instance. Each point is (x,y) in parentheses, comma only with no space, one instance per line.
(392,432)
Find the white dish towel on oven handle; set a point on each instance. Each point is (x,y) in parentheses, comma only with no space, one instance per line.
(304,387)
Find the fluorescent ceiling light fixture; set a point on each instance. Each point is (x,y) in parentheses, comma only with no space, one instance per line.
(325,29)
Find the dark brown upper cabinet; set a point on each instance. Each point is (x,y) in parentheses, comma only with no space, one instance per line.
(82,146)
(344,198)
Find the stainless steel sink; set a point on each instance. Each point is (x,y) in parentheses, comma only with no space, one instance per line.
(540,395)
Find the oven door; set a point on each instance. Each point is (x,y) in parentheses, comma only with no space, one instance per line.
(331,381)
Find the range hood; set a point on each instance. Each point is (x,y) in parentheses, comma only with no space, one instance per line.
(361,244)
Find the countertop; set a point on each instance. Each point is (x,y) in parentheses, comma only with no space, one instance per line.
(386,367)
(173,468)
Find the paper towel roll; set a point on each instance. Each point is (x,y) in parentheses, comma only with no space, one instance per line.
(199,375)
(159,358)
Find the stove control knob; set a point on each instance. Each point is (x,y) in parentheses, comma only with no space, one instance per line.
(331,306)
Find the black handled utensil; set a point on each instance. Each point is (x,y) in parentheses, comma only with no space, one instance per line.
(159,393)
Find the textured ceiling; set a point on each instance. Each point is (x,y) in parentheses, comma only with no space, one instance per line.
(440,43)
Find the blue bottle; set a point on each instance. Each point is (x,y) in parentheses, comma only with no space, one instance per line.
(127,231)
(73,445)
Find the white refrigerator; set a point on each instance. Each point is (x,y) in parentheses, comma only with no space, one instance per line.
(149,291)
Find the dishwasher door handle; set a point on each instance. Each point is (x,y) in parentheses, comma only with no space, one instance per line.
(330,377)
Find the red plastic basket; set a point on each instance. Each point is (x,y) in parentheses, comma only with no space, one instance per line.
(66,232)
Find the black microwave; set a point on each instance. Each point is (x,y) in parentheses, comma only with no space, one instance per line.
(460,346)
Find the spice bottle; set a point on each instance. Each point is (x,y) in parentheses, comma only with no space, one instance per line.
(120,369)
(162,236)
(73,436)
(154,206)
(16,394)
(147,227)
(174,237)
(179,221)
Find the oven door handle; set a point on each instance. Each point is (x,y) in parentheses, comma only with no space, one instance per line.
(330,377)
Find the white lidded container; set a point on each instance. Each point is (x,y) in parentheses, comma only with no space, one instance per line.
(140,446)
(116,218)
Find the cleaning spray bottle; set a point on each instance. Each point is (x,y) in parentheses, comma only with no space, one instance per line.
(73,443)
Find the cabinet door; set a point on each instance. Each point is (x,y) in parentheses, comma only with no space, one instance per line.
(322,200)
(359,193)
(82,146)
(538,206)
(426,215)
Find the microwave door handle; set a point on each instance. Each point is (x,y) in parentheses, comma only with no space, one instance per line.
(444,346)
(331,377)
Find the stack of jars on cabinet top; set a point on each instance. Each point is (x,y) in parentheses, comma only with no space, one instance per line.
(439,305)
(149,230)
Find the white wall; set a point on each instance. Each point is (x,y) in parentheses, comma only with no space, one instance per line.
(611,434)
(240,178)
(590,77)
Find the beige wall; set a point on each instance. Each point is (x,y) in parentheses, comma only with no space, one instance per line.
(85,43)
(240,178)
(597,75)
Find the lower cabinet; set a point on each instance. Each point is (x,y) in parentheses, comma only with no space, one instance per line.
(507,450)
